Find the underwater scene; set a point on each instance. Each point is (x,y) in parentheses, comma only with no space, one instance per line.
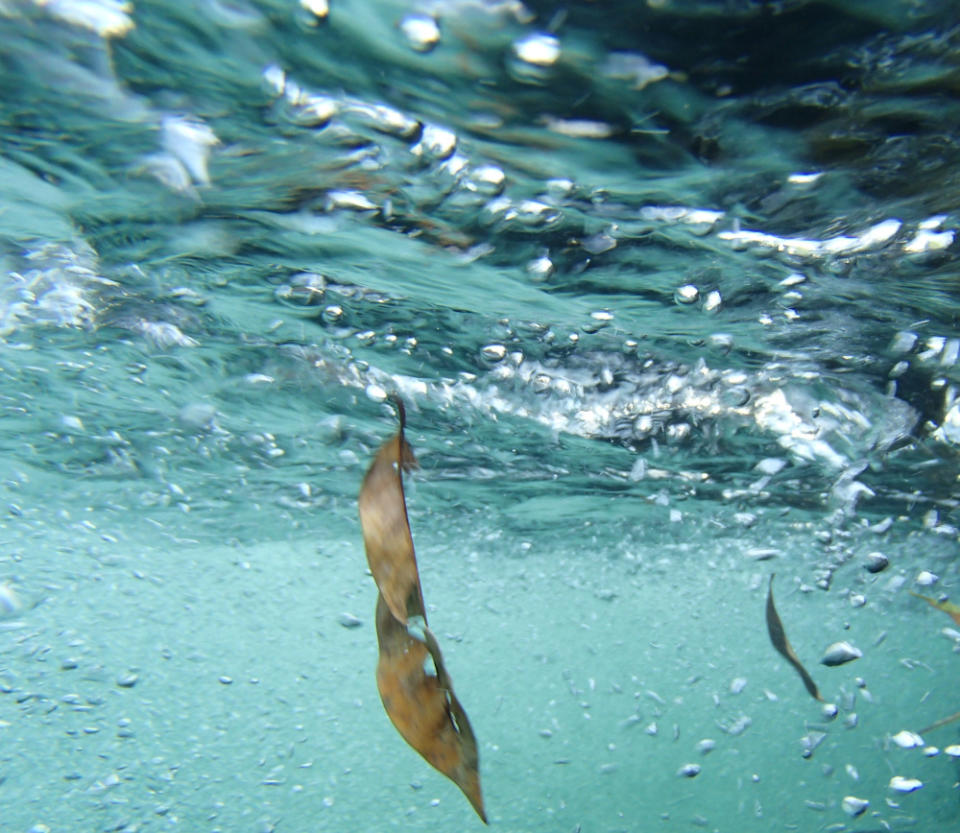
(424,414)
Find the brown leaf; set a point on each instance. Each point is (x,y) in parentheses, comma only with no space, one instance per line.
(423,707)
(386,530)
(952,610)
(779,639)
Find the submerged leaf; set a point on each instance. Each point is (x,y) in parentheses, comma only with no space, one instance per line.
(779,639)
(952,610)
(386,530)
(423,707)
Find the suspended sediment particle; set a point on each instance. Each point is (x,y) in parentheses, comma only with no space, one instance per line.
(779,639)
(421,705)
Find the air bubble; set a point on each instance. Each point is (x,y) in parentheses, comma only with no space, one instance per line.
(421,31)
(687,294)
(493,353)
(539,49)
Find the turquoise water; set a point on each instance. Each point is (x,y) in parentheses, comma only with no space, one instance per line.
(670,292)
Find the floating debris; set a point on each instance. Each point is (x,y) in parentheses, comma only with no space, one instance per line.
(839,653)
(953,750)
(952,610)
(779,639)
(738,684)
(854,806)
(689,770)
(905,785)
(907,740)
(386,531)
(348,620)
(128,680)
(943,722)
(421,705)
(707,745)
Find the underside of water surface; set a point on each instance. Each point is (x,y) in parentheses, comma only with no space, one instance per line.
(670,291)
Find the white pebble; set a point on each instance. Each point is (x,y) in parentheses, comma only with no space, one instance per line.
(953,750)
(877,562)
(906,739)
(903,342)
(706,746)
(839,653)
(689,770)
(738,685)
(854,806)
(905,785)
(926,579)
